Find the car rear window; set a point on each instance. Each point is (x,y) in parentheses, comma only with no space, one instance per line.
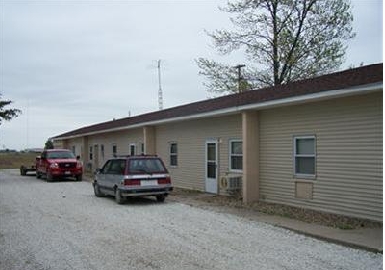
(152,165)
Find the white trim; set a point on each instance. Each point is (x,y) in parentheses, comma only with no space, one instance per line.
(301,175)
(207,184)
(116,148)
(173,154)
(324,95)
(230,155)
(129,149)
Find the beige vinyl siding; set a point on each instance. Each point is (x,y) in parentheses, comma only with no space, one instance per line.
(122,139)
(77,143)
(191,137)
(348,135)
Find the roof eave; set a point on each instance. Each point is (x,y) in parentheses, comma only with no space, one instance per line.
(319,96)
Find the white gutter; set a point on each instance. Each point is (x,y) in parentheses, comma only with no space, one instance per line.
(324,95)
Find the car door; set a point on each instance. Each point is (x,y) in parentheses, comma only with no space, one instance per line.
(104,174)
(117,172)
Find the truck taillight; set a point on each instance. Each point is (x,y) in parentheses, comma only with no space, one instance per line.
(131,182)
(54,165)
(164,181)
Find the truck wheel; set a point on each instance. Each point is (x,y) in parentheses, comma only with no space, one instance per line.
(118,197)
(160,198)
(49,177)
(79,177)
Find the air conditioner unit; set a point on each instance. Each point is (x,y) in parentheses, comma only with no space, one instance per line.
(231,183)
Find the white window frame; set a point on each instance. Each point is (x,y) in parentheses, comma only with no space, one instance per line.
(132,147)
(114,145)
(142,151)
(231,155)
(295,156)
(173,154)
(102,151)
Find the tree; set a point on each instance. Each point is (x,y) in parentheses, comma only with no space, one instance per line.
(49,144)
(283,40)
(7,114)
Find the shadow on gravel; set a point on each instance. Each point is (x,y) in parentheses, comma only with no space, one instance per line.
(137,201)
(55,180)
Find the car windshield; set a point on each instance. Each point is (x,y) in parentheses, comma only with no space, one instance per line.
(60,155)
(152,165)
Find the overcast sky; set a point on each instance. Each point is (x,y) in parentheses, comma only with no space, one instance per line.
(68,64)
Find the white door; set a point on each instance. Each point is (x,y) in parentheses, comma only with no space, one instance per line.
(211,182)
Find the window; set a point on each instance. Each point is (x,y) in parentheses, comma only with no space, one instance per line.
(102,151)
(90,153)
(114,149)
(146,166)
(74,149)
(142,148)
(304,156)
(173,154)
(236,155)
(114,166)
(132,149)
(60,155)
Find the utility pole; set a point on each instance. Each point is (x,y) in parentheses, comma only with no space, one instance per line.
(239,67)
(160,93)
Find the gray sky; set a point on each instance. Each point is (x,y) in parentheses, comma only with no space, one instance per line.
(68,64)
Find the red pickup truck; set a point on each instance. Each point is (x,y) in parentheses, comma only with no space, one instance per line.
(58,163)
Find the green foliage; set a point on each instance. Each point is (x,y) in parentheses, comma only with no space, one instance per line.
(7,114)
(283,40)
(48,145)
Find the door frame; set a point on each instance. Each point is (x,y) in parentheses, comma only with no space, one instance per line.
(211,184)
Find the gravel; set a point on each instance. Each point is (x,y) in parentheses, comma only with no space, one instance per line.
(234,203)
(62,225)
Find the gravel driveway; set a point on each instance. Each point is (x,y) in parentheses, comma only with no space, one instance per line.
(62,225)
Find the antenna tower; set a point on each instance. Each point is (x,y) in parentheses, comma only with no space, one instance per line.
(160,92)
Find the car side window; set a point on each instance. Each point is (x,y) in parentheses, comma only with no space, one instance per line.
(107,167)
(116,166)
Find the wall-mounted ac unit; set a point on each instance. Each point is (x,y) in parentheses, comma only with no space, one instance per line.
(231,183)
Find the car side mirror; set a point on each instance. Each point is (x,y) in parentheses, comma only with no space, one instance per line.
(78,157)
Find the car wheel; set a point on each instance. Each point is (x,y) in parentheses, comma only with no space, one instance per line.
(97,190)
(118,197)
(160,198)
(79,177)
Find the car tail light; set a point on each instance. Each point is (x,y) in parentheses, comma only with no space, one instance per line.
(131,182)
(54,165)
(164,181)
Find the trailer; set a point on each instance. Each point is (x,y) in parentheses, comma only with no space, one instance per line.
(25,169)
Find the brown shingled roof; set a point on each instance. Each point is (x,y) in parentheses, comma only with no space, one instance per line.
(335,81)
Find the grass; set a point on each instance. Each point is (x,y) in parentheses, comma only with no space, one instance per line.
(13,160)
